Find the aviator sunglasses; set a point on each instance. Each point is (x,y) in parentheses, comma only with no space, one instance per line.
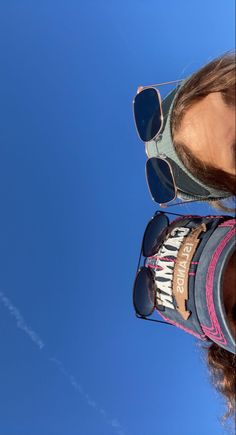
(148,111)
(144,289)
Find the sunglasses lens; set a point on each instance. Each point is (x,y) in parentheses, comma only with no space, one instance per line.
(154,233)
(147,114)
(160,180)
(144,293)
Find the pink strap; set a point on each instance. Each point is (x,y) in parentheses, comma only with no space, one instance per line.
(201,336)
(214,332)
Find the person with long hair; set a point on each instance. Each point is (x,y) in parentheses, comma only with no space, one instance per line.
(190,135)
(203,124)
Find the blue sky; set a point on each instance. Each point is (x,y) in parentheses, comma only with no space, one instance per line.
(74,204)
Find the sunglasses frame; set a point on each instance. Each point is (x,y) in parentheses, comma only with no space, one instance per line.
(154,86)
(161,156)
(141,88)
(138,315)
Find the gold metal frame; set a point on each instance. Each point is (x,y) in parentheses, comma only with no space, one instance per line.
(141,88)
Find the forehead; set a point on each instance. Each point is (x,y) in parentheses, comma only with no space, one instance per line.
(210,107)
(208,125)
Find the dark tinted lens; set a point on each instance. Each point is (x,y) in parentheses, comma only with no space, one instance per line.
(153,235)
(147,114)
(144,293)
(160,180)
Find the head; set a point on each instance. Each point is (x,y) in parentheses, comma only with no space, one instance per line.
(198,133)
(203,124)
(191,281)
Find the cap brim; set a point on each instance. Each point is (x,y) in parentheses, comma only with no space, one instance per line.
(209,297)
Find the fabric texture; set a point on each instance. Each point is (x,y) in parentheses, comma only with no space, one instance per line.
(188,186)
(188,271)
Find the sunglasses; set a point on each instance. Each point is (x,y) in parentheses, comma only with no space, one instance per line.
(149,121)
(144,289)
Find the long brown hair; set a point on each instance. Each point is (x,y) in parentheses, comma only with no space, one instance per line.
(222,365)
(217,76)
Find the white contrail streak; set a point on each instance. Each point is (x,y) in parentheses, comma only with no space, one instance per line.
(20,322)
(114,423)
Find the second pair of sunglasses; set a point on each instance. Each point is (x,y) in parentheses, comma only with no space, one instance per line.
(144,289)
(144,293)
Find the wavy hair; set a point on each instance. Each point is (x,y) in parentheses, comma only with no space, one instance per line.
(222,366)
(217,76)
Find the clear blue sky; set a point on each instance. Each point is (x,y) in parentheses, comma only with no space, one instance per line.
(74,205)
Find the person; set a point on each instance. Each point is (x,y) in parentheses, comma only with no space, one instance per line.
(189,279)
(203,124)
(193,130)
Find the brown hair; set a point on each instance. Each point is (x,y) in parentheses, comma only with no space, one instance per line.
(222,365)
(217,76)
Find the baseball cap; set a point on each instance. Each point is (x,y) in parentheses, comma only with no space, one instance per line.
(188,276)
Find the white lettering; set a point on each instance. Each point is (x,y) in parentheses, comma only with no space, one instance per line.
(164,272)
(187,249)
(183,264)
(174,242)
(167,269)
(165,252)
(180,289)
(164,286)
(165,300)
(181,273)
(183,231)
(180,281)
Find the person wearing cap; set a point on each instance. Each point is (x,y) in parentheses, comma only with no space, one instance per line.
(190,135)
(189,279)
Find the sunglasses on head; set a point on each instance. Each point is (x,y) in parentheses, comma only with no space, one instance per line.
(144,289)
(149,121)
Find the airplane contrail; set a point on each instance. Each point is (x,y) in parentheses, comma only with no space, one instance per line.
(90,402)
(35,338)
(20,322)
